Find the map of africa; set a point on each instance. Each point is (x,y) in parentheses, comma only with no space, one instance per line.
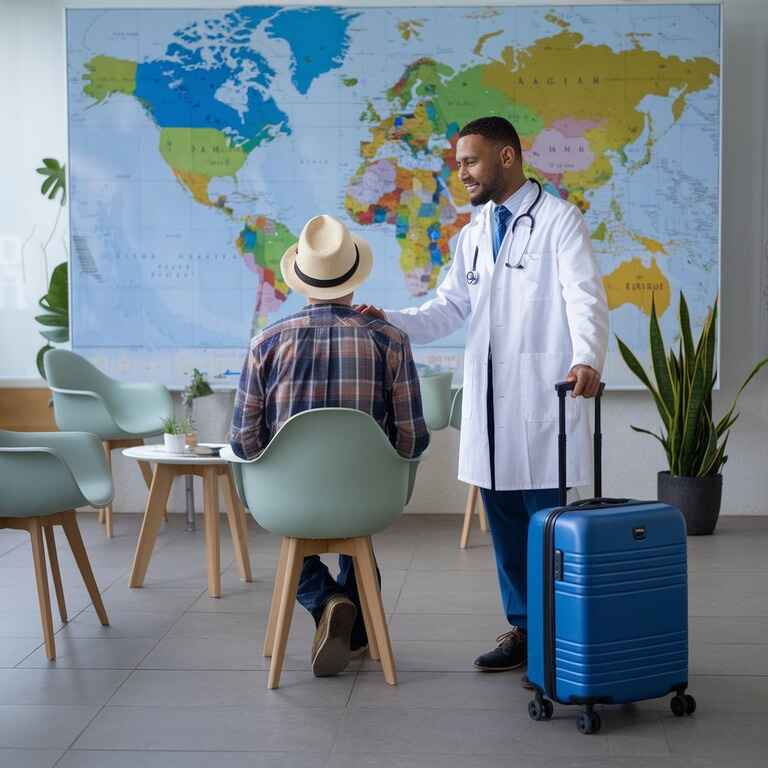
(200,142)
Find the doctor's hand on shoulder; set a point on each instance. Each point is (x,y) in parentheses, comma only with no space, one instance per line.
(587,380)
(370,311)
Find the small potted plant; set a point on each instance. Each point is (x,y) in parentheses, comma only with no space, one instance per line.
(175,433)
(197,387)
(693,441)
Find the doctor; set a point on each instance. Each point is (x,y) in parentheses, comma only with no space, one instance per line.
(524,276)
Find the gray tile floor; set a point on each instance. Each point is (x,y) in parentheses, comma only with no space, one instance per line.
(178,678)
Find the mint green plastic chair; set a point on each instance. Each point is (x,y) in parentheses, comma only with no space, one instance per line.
(436,398)
(472,506)
(122,415)
(327,481)
(44,476)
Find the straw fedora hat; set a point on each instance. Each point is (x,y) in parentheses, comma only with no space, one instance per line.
(328,261)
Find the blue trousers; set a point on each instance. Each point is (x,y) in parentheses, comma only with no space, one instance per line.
(316,586)
(508,515)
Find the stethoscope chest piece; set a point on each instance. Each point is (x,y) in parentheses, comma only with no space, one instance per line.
(473,277)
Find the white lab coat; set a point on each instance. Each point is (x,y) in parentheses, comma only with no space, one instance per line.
(538,322)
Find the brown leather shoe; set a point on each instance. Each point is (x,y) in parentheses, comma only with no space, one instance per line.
(330,648)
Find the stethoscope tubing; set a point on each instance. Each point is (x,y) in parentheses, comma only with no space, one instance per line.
(473,276)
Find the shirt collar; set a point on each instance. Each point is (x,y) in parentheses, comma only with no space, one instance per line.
(515,200)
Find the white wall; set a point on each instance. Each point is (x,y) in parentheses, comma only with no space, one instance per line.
(33,125)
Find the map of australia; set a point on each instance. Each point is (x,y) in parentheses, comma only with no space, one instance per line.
(202,140)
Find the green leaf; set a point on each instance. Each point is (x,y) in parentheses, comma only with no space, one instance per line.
(55,179)
(710,451)
(634,365)
(48,307)
(660,366)
(58,288)
(57,321)
(685,329)
(692,416)
(39,359)
(56,335)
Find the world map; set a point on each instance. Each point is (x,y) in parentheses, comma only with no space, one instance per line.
(200,142)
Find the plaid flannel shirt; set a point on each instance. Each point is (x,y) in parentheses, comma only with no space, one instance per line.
(328,356)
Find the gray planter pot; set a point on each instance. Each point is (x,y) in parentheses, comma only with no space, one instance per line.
(698,498)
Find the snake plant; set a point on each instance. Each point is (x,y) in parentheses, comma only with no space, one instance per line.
(681,385)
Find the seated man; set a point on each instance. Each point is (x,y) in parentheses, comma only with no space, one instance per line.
(329,355)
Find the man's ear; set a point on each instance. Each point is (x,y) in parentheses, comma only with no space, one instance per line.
(508,156)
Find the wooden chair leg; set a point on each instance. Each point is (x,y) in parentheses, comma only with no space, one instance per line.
(156,503)
(212,544)
(274,607)
(373,649)
(108,508)
(72,532)
(468,512)
(53,557)
(481,513)
(294,562)
(366,567)
(238,529)
(41,577)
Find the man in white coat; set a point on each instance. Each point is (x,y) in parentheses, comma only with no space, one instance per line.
(524,276)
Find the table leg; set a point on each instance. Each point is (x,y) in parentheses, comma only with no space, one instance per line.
(153,517)
(211,515)
(189,489)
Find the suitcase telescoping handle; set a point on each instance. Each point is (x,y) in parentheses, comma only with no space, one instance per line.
(562,389)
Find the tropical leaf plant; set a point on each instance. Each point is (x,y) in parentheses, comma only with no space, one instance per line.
(55,321)
(681,385)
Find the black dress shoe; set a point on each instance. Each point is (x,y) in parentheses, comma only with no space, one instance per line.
(510,653)
(527,684)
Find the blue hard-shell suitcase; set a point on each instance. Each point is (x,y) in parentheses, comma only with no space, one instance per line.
(607,600)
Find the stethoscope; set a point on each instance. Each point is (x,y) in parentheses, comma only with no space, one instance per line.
(473,276)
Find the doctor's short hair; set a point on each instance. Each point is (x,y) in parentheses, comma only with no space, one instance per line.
(494,129)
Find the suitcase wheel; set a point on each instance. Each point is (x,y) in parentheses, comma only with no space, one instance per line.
(588,722)
(682,704)
(540,708)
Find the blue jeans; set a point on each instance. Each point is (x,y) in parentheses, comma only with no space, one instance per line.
(317,586)
(508,515)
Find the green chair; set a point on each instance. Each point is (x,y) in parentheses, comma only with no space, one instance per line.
(44,476)
(435,398)
(327,481)
(122,415)
(454,420)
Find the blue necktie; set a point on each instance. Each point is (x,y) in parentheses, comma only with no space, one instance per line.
(501,216)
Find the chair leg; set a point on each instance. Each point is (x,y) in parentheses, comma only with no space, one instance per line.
(238,529)
(41,577)
(53,557)
(212,542)
(373,649)
(481,513)
(366,565)
(274,606)
(72,532)
(156,503)
(108,509)
(294,562)
(468,512)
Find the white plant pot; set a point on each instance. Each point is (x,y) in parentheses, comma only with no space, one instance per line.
(175,443)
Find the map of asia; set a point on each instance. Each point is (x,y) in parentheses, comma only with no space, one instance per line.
(200,142)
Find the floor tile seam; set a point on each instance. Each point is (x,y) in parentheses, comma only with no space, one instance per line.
(114,693)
